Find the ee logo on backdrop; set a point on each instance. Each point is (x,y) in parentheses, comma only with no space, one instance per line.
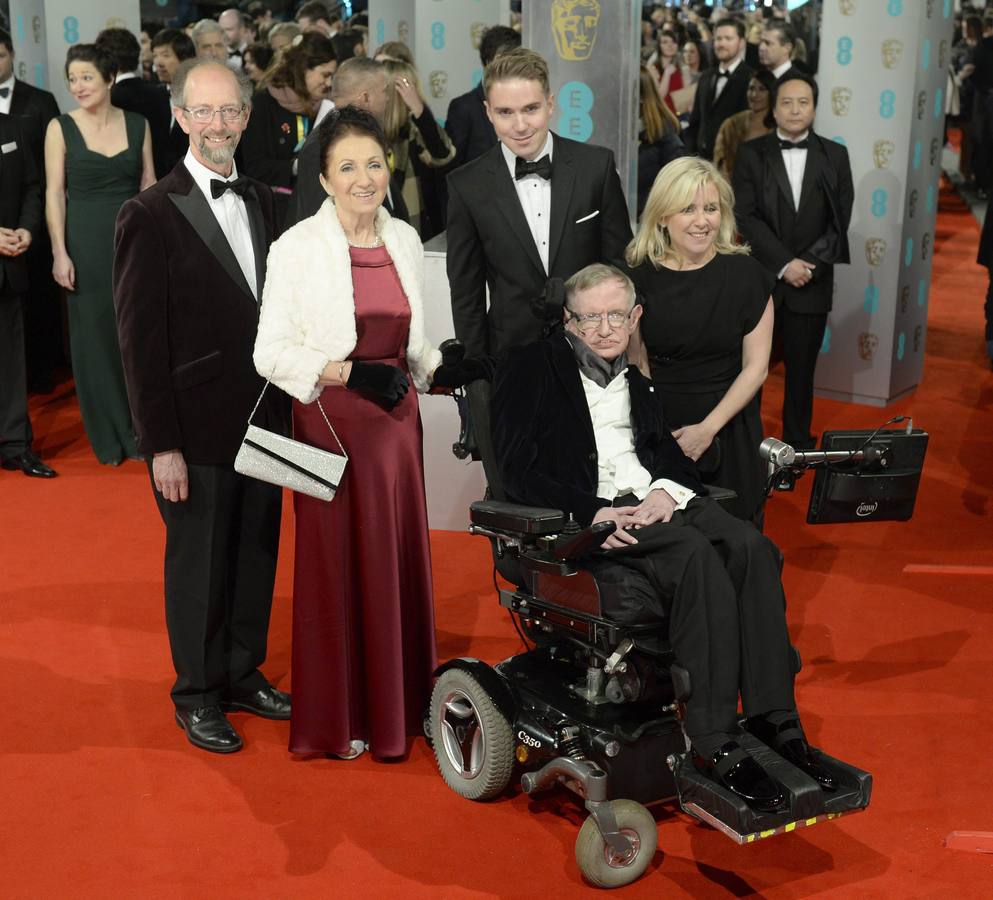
(576,102)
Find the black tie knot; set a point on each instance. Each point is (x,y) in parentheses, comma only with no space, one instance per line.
(722,74)
(540,167)
(241,186)
(789,145)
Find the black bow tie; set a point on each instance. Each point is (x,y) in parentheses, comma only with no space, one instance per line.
(722,74)
(541,167)
(5,92)
(789,145)
(240,185)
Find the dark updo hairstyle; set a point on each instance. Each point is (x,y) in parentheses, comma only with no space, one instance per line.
(96,56)
(340,123)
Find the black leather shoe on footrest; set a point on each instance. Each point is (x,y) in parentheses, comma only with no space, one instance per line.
(789,742)
(208,728)
(513,517)
(733,768)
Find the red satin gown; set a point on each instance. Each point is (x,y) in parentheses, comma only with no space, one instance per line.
(363,616)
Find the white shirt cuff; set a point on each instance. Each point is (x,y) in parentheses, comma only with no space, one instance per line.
(682,495)
(782,272)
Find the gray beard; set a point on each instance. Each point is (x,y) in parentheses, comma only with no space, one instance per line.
(219,156)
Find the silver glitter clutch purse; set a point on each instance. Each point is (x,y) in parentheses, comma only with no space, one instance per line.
(282,461)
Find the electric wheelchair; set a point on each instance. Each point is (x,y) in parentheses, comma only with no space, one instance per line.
(595,705)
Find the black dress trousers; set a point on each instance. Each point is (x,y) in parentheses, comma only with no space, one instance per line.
(15,426)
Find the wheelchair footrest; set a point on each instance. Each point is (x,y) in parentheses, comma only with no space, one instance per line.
(807,804)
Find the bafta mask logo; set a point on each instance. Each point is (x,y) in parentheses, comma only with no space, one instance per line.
(875,251)
(933,154)
(476,32)
(22,71)
(847,7)
(36,28)
(904,298)
(403,31)
(438,83)
(918,332)
(925,245)
(942,54)
(574,24)
(868,342)
(921,104)
(913,203)
(892,51)
(929,8)
(882,153)
(841,100)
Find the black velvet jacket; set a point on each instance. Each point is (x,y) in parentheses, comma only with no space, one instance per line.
(543,434)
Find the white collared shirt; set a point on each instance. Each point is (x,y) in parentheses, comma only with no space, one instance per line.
(619,471)
(6,101)
(124,76)
(535,196)
(229,210)
(782,69)
(721,83)
(795,162)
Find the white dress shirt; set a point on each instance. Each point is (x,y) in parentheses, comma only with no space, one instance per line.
(781,69)
(535,195)
(795,162)
(721,83)
(6,101)
(229,210)
(619,471)
(124,76)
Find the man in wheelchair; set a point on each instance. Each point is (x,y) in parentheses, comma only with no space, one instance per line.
(576,428)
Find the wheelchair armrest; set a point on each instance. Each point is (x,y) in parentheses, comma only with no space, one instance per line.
(588,540)
(515,518)
(721,494)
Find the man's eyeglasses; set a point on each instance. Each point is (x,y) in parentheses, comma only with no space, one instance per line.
(205,114)
(589,322)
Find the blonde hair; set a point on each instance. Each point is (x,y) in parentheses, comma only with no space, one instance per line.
(517,63)
(674,189)
(656,118)
(397,114)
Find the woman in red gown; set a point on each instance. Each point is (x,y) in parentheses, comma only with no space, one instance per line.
(342,324)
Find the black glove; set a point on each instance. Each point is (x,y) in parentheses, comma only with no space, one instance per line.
(459,374)
(385,384)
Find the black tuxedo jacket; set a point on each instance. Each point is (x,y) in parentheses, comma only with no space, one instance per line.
(268,144)
(543,436)
(33,109)
(467,126)
(187,321)
(176,145)
(20,201)
(490,243)
(709,114)
(152,102)
(778,232)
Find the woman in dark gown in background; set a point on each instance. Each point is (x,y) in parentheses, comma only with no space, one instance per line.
(706,330)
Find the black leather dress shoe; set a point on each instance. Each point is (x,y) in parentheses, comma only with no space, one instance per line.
(733,768)
(788,740)
(30,464)
(267,703)
(208,728)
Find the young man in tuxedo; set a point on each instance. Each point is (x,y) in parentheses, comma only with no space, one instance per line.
(133,93)
(170,49)
(793,203)
(722,89)
(189,266)
(32,109)
(467,125)
(578,429)
(20,220)
(534,207)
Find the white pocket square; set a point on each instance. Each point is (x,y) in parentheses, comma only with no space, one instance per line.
(8,147)
(595,212)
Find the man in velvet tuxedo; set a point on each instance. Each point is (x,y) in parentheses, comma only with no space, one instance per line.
(576,428)
(722,89)
(32,109)
(189,266)
(793,203)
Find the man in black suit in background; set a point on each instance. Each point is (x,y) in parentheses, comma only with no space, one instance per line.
(793,202)
(467,125)
(20,220)
(170,48)
(133,93)
(721,91)
(32,109)
(189,266)
(776,48)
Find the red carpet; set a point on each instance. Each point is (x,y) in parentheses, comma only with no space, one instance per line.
(103,797)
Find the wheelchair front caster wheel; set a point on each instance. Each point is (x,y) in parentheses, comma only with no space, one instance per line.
(472,739)
(600,865)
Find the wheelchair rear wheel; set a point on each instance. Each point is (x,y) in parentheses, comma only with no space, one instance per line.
(473,741)
(596,860)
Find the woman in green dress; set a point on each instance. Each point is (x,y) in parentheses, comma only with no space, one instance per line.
(96,157)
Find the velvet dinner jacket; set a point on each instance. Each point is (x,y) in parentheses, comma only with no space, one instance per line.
(543,436)
(187,321)
(490,243)
(817,231)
